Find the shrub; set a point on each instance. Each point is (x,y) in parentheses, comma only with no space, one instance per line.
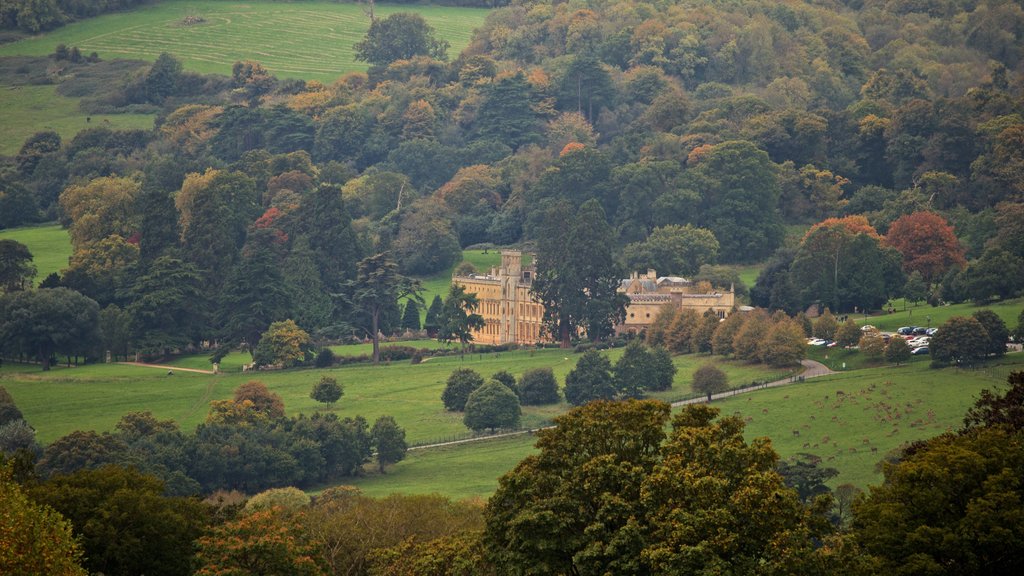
(492,406)
(325,358)
(709,379)
(290,499)
(327,390)
(537,387)
(461,383)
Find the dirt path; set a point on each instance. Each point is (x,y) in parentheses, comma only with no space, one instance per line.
(171,368)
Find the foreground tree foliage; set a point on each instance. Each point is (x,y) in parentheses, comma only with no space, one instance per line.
(263,542)
(126,524)
(35,540)
(952,504)
(610,493)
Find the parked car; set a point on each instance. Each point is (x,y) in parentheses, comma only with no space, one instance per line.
(905,330)
(920,331)
(868,328)
(816,342)
(931,331)
(919,341)
(920,350)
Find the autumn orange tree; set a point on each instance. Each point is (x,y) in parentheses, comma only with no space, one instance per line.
(34,539)
(927,243)
(264,542)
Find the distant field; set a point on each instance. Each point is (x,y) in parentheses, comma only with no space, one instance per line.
(309,40)
(25,110)
(925,315)
(879,410)
(49,244)
(95,397)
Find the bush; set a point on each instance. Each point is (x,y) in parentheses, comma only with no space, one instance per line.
(505,378)
(290,499)
(325,359)
(709,379)
(461,383)
(492,406)
(327,390)
(537,387)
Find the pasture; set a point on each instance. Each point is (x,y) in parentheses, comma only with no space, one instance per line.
(49,244)
(926,315)
(311,40)
(29,109)
(853,419)
(95,397)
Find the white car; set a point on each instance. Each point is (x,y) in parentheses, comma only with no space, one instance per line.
(816,342)
(919,341)
(868,328)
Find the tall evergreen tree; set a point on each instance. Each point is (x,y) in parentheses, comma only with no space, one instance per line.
(411,316)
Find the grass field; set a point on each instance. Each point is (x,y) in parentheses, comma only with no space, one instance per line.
(29,109)
(95,397)
(310,40)
(878,409)
(925,315)
(49,243)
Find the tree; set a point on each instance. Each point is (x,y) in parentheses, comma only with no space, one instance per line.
(633,370)
(663,370)
(825,326)
(927,243)
(848,334)
(492,406)
(432,322)
(537,386)
(506,378)
(608,494)
(101,208)
(400,36)
(897,351)
(673,249)
(739,200)
(590,380)
(461,383)
(750,338)
(842,263)
(288,499)
(915,289)
(458,318)
(725,334)
(959,489)
(377,286)
(411,316)
(327,390)
(804,474)
(785,344)
(162,78)
(997,274)
(35,540)
(155,534)
(16,269)
(389,441)
(48,321)
(427,242)
(994,409)
(168,306)
(283,343)
(959,341)
(872,345)
(998,334)
(264,542)
(577,280)
(709,379)
(681,335)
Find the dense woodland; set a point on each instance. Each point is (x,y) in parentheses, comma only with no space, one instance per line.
(607,136)
(700,131)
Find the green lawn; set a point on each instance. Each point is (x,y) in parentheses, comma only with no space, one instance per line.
(879,410)
(925,315)
(29,109)
(300,39)
(438,284)
(95,397)
(49,243)
(461,471)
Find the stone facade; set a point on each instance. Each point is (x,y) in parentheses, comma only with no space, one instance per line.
(648,295)
(512,316)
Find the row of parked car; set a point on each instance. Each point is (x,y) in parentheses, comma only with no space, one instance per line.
(916,336)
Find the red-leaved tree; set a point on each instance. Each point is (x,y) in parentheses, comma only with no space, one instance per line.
(927,243)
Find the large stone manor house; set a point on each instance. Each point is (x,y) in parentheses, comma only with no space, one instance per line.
(512,316)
